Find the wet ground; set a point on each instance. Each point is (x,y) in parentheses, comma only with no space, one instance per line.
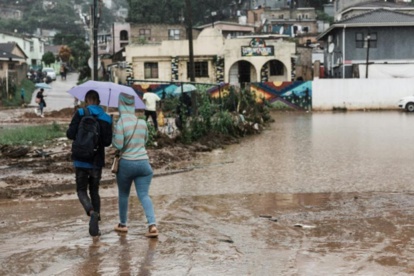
(316,194)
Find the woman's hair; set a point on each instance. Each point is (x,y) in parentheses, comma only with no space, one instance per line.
(92,97)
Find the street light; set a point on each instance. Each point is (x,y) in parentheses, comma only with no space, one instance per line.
(367,38)
(213,13)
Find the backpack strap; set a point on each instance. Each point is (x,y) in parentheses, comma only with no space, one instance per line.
(86,111)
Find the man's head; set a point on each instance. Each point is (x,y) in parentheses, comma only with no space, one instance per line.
(149,89)
(92,98)
(41,90)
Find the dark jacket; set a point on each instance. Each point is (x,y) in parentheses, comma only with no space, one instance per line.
(41,97)
(105,123)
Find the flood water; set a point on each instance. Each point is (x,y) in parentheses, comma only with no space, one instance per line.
(316,194)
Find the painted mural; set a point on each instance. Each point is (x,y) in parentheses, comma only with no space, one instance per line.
(163,90)
(296,95)
(282,95)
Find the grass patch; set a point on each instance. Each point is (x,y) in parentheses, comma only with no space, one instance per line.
(32,135)
(13,98)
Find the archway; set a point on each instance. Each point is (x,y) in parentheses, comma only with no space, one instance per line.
(242,72)
(274,70)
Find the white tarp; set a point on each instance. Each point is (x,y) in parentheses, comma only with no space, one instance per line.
(387,71)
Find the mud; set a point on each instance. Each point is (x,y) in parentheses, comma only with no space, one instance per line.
(315,194)
(48,171)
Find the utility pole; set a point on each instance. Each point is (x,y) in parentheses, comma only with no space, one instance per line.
(367,61)
(191,53)
(95,24)
(190,39)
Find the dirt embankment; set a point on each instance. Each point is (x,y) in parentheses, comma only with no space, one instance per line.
(48,171)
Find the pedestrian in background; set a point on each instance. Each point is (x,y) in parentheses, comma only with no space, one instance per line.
(41,102)
(22,94)
(129,137)
(150,99)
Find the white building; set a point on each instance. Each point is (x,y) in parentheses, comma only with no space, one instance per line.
(217,59)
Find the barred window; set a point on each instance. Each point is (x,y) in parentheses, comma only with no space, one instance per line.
(151,70)
(200,69)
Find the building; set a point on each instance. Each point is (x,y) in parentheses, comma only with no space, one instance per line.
(32,46)
(230,29)
(375,44)
(217,59)
(13,65)
(348,8)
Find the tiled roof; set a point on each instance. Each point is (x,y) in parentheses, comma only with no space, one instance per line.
(7,47)
(6,51)
(379,16)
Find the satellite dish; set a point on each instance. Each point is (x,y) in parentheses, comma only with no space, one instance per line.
(331,48)
(90,63)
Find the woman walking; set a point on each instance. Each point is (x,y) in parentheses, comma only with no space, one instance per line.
(129,137)
(41,102)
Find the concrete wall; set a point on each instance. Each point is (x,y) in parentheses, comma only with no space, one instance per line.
(359,94)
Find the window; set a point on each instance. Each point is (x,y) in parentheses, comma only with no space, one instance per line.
(373,40)
(123,35)
(173,34)
(151,70)
(281,16)
(276,68)
(200,69)
(31,46)
(359,40)
(11,66)
(145,33)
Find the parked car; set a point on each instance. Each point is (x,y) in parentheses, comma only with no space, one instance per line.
(407,103)
(50,72)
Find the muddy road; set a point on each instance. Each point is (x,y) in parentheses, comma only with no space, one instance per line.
(316,194)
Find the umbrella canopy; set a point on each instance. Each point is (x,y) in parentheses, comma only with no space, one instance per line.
(169,90)
(108,92)
(42,85)
(186,88)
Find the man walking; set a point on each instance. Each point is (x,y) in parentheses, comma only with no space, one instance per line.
(88,167)
(150,100)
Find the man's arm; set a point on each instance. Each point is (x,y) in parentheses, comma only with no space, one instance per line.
(106,130)
(73,126)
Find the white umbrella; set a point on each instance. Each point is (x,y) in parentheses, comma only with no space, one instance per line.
(108,92)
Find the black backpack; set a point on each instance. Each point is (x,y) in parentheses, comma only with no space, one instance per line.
(86,143)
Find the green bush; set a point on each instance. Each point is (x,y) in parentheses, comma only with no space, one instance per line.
(13,97)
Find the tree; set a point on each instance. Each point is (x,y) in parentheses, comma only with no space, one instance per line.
(64,53)
(48,58)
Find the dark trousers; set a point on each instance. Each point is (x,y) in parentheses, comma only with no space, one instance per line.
(153,115)
(89,179)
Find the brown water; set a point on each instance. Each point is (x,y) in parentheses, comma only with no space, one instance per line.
(318,194)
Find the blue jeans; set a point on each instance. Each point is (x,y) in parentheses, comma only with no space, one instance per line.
(140,172)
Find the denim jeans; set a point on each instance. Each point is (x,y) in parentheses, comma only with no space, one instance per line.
(140,172)
(89,179)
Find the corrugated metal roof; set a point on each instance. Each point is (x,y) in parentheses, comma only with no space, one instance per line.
(379,16)
(381,4)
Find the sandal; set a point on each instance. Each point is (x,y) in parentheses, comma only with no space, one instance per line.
(152,232)
(121,228)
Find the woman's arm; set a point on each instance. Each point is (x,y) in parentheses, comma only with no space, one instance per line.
(118,135)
